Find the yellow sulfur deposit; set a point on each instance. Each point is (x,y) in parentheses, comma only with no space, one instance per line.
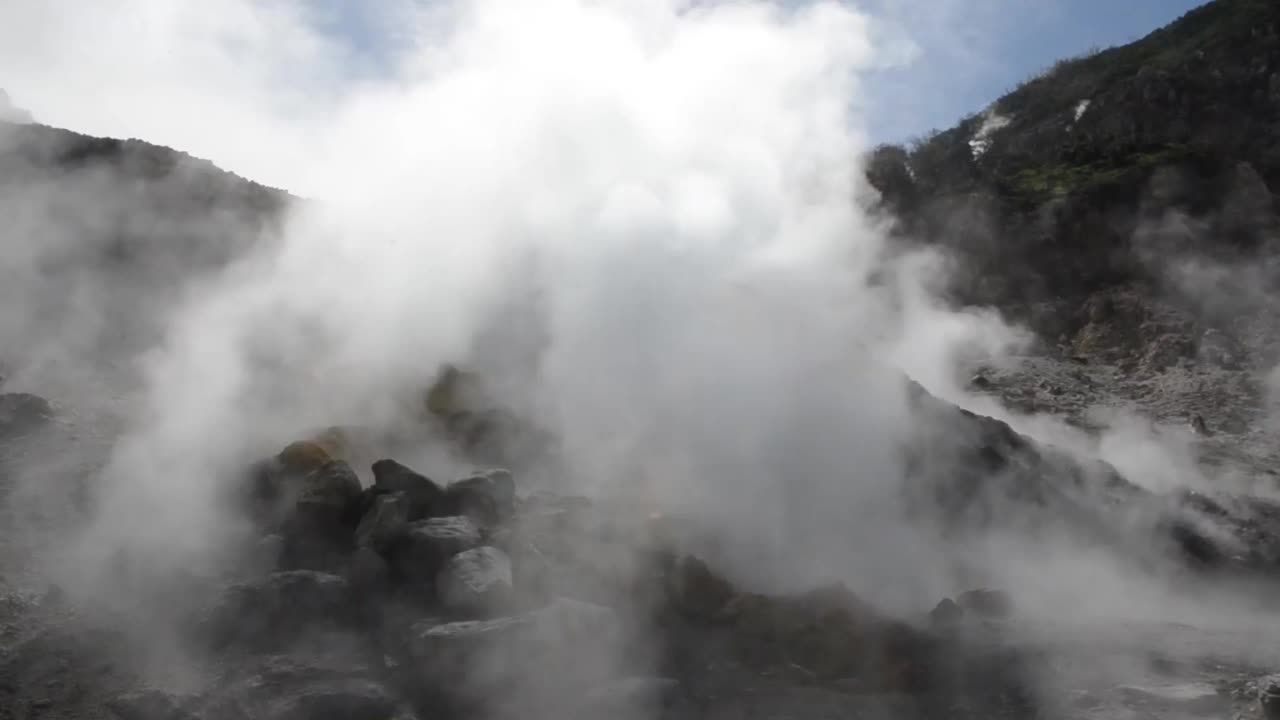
(303,455)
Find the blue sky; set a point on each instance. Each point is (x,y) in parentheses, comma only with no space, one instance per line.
(973,52)
(969,52)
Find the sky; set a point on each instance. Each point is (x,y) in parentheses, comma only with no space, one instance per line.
(256,86)
(969,54)
(966,54)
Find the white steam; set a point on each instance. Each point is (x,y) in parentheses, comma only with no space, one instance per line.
(676,182)
(683,177)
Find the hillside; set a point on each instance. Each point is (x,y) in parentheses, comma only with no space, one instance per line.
(1145,170)
(100,234)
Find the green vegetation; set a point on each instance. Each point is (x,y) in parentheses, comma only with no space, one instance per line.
(1058,181)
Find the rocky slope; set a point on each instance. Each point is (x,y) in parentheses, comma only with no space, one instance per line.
(101,235)
(1121,203)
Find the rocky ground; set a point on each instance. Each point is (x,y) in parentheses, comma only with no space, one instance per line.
(407,598)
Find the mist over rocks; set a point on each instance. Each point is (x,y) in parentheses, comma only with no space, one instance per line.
(647,287)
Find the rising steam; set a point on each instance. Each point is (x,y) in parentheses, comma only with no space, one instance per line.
(720,328)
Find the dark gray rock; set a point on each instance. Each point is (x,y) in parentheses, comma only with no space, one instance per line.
(319,535)
(486,497)
(421,494)
(696,591)
(1269,698)
(475,582)
(426,545)
(369,574)
(21,413)
(385,520)
(332,487)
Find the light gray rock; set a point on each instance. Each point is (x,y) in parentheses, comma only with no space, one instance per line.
(426,545)
(475,582)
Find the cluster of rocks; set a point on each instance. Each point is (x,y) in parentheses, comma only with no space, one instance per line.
(408,598)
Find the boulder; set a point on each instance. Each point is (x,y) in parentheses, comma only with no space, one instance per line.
(273,487)
(332,488)
(303,456)
(21,413)
(475,582)
(559,651)
(319,533)
(1269,698)
(421,494)
(486,497)
(386,519)
(425,546)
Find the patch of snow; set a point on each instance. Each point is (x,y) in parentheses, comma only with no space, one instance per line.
(1081,107)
